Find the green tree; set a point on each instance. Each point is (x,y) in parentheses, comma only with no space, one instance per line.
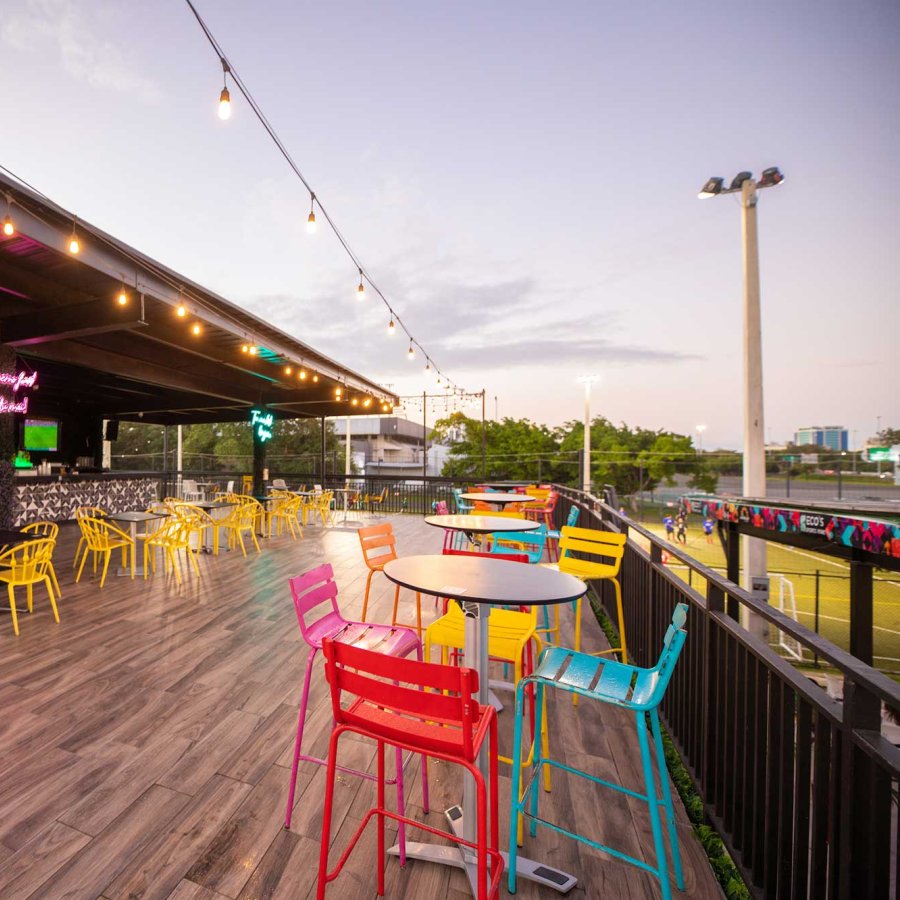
(515,449)
(887,437)
(631,459)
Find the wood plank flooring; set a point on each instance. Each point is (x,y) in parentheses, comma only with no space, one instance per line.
(145,744)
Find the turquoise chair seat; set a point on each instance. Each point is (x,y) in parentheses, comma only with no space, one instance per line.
(515,543)
(629,687)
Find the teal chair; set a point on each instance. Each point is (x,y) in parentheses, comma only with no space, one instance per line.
(553,535)
(461,506)
(515,543)
(628,687)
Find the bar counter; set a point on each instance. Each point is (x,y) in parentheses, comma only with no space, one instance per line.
(56,497)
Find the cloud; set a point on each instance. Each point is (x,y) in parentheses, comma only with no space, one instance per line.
(63,24)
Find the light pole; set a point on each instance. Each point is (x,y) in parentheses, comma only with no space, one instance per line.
(587,381)
(754,550)
(700,430)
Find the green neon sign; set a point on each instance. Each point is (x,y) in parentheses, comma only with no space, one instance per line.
(263,424)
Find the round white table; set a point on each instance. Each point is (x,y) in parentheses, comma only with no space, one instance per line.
(479,583)
(499,499)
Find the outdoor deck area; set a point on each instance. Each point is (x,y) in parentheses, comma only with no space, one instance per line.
(145,744)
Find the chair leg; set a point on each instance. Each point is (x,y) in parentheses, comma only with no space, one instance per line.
(366,597)
(52,601)
(12,608)
(667,799)
(516,805)
(621,617)
(301,720)
(52,572)
(81,567)
(659,844)
(106,557)
(401,809)
(396,605)
(380,801)
(325,838)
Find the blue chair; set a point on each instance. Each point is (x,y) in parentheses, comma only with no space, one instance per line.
(553,535)
(628,687)
(461,506)
(531,543)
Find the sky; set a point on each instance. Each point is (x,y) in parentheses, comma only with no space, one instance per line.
(519,178)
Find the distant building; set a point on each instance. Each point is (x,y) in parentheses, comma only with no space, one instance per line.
(388,445)
(834,437)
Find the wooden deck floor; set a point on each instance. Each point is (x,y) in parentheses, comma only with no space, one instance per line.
(145,745)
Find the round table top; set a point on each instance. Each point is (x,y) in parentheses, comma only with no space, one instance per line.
(11,536)
(498,497)
(137,515)
(482,580)
(482,524)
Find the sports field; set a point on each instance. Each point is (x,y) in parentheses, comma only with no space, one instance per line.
(791,568)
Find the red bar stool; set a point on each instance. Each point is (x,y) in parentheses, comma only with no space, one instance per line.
(401,702)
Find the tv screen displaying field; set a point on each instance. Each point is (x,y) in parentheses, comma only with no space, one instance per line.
(41,434)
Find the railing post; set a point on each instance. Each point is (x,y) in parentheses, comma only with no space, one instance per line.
(715,603)
(859,845)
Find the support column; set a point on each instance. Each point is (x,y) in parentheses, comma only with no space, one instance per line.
(322,454)
(8,442)
(861,643)
(259,464)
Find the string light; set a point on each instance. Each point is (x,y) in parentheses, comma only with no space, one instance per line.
(302,374)
(288,370)
(9,229)
(122,299)
(254,349)
(315,378)
(367,402)
(181,311)
(74,243)
(355,401)
(196,329)
(391,329)
(337,393)
(225,97)
(365,278)
(410,354)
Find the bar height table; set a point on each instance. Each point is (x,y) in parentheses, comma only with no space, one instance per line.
(499,499)
(479,583)
(132,518)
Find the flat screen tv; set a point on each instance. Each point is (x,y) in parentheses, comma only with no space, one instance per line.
(41,434)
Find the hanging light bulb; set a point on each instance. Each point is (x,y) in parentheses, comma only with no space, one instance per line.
(391,329)
(181,310)
(196,329)
(427,365)
(355,401)
(225,97)
(315,378)
(9,229)
(361,290)
(410,354)
(254,349)
(337,393)
(245,348)
(302,375)
(74,243)
(288,370)
(122,299)
(367,402)
(311,220)
(384,407)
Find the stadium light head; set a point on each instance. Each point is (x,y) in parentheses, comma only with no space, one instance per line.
(739,179)
(711,188)
(770,177)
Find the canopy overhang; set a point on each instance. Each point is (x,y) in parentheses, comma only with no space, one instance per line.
(141,361)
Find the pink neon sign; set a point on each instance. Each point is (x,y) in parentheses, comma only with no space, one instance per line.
(16,381)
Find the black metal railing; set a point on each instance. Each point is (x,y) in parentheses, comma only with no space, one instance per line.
(802,787)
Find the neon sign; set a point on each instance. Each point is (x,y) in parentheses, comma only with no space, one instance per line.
(16,381)
(262,424)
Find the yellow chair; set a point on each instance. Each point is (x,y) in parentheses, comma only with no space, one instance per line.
(322,505)
(172,537)
(284,514)
(373,500)
(241,519)
(198,521)
(47,530)
(102,537)
(27,565)
(247,485)
(82,512)
(511,635)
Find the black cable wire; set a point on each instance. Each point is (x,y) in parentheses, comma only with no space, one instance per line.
(254,106)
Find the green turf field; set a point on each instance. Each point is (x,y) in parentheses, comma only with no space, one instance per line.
(798,568)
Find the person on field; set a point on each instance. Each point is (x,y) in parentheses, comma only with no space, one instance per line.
(681,526)
(708,529)
(669,522)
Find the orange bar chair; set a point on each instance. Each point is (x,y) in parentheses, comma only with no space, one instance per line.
(379,547)
(423,708)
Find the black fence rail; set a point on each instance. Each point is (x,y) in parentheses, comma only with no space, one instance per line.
(802,788)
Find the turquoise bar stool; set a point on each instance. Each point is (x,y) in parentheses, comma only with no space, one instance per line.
(461,506)
(628,687)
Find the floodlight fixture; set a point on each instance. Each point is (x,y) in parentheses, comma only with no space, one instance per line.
(739,179)
(711,188)
(770,177)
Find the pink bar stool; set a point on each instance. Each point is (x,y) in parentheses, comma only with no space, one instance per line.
(315,600)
